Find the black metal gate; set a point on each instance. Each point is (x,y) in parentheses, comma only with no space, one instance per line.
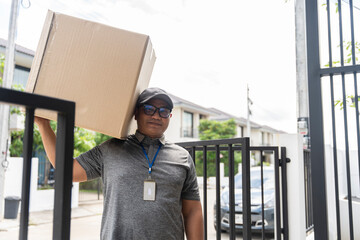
(334,114)
(241,145)
(64,158)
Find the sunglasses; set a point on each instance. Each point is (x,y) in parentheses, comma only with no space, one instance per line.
(151,110)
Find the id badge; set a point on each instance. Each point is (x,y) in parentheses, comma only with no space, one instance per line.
(149,190)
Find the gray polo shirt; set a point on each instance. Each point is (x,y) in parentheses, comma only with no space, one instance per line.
(123,167)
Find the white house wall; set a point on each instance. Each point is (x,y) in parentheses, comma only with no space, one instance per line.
(39,199)
(173,131)
(17,122)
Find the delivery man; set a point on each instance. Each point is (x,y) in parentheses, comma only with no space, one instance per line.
(150,186)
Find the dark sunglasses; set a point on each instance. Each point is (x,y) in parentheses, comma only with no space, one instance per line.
(151,110)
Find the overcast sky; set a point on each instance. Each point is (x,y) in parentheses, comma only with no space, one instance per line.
(207,50)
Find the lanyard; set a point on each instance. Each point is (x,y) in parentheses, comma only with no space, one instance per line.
(147,157)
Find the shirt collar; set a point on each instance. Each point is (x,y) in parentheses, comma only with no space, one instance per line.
(140,137)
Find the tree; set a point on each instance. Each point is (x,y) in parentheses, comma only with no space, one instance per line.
(2,63)
(100,138)
(84,140)
(212,130)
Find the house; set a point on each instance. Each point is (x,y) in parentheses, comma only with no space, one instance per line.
(186,119)
(23,61)
(260,135)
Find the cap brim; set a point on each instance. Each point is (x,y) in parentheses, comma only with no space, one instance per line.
(161,96)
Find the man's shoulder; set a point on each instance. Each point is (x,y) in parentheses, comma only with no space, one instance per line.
(112,142)
(176,147)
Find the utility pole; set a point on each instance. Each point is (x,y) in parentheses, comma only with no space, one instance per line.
(301,74)
(4,109)
(249,103)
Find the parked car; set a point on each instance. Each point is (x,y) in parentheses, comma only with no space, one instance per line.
(256,210)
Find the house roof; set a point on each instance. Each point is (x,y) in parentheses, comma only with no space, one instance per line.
(223,116)
(18,48)
(179,102)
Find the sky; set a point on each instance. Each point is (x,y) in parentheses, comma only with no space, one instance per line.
(208,51)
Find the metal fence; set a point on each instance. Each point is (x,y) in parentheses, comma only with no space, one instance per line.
(64,158)
(91,190)
(242,145)
(308,191)
(334,113)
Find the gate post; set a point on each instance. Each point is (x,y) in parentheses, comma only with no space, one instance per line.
(316,122)
(295,183)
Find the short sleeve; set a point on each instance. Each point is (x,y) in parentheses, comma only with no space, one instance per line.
(92,162)
(190,189)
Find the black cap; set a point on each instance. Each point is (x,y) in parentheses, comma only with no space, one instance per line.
(151,93)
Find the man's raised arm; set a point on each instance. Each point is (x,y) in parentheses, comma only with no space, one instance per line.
(49,140)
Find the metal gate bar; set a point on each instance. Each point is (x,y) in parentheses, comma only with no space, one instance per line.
(232,194)
(63,176)
(316,123)
(308,192)
(284,161)
(218,222)
(262,193)
(347,154)
(27,159)
(205,189)
(64,157)
(246,194)
(279,229)
(332,101)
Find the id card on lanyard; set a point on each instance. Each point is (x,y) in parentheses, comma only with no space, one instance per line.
(149,183)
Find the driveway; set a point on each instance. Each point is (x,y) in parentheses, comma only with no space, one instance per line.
(86,221)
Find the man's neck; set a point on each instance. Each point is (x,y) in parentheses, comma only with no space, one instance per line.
(161,138)
(149,136)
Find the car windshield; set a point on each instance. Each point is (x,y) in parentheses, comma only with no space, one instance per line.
(255,179)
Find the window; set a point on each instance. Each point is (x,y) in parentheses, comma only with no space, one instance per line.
(240,131)
(21,75)
(187,125)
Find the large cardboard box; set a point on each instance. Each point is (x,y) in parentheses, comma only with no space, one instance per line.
(101,68)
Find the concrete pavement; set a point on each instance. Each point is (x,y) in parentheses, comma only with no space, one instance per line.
(86,222)
(87,214)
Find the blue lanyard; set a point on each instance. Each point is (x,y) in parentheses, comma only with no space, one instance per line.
(147,157)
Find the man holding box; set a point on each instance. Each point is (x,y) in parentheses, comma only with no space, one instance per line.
(150,186)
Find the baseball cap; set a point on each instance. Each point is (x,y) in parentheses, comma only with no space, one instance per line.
(151,93)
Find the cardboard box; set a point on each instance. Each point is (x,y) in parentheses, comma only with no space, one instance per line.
(101,68)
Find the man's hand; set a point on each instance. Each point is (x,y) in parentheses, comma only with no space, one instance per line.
(193,219)
(41,121)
